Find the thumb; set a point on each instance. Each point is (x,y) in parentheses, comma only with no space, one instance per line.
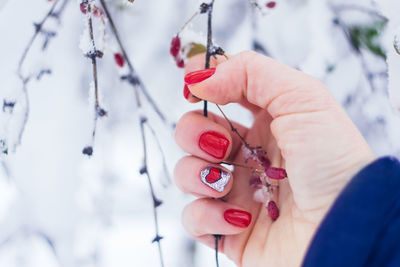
(263,82)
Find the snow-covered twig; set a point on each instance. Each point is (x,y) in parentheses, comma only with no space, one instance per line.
(24,100)
(93,54)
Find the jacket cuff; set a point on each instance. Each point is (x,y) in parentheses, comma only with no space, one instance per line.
(356,218)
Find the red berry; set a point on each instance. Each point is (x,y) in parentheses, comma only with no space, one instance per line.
(264,161)
(271,4)
(180,62)
(97,12)
(255,182)
(119,59)
(83,7)
(175,46)
(273,210)
(276,173)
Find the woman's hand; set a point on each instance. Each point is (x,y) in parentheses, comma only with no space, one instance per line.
(303,129)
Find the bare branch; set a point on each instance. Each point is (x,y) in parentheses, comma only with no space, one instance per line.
(51,13)
(209,10)
(132,78)
(93,54)
(156,201)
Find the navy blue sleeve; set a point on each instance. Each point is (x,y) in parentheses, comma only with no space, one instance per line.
(363,226)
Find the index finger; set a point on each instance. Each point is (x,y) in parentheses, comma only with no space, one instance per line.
(263,82)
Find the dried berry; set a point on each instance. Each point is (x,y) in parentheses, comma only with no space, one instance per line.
(101,112)
(83,7)
(119,59)
(271,4)
(180,62)
(98,12)
(255,182)
(273,210)
(88,150)
(264,161)
(175,46)
(276,173)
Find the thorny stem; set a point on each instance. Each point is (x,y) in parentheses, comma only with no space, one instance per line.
(133,78)
(156,202)
(209,45)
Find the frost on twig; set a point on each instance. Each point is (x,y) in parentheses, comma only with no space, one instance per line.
(16,114)
(93,54)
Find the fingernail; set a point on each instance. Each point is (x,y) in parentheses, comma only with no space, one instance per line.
(215,178)
(238,218)
(214,144)
(199,76)
(186,91)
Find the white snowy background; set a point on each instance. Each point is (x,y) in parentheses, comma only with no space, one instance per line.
(61,208)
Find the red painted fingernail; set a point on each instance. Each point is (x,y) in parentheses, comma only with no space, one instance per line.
(214,144)
(215,178)
(199,76)
(186,91)
(238,218)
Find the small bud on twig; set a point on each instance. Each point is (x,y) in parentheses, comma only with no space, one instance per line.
(88,151)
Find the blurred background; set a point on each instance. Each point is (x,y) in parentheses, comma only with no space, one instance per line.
(59,207)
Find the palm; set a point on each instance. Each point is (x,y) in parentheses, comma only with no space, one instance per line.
(264,242)
(270,242)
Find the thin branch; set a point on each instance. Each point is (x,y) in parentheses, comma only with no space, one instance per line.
(238,165)
(164,161)
(51,13)
(209,45)
(132,77)
(217,238)
(188,21)
(233,129)
(38,29)
(156,202)
(93,54)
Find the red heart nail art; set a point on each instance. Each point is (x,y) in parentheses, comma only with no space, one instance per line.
(215,178)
